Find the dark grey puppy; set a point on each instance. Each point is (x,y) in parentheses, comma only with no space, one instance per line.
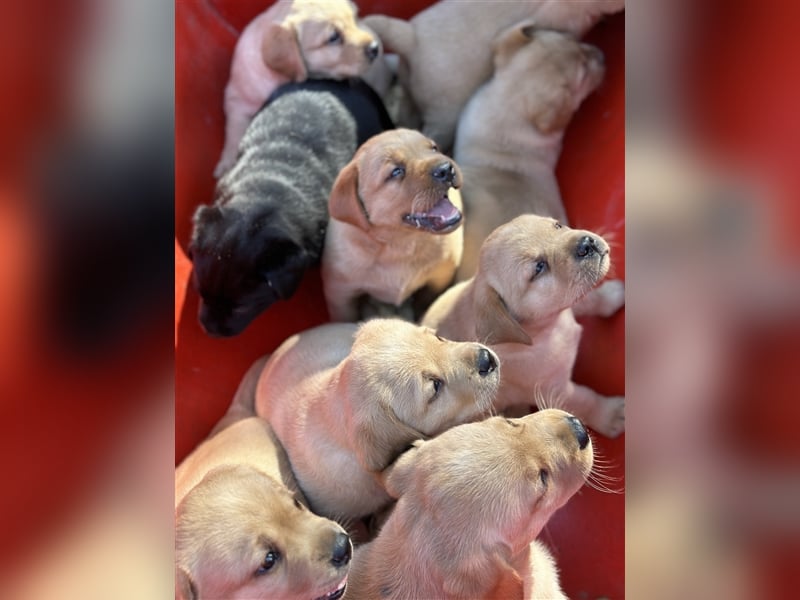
(267,224)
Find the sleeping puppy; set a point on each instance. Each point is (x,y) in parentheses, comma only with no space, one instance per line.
(241,529)
(291,41)
(446,50)
(267,224)
(470,505)
(533,271)
(345,400)
(510,132)
(395,217)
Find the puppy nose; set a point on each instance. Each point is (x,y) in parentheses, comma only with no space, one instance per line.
(372,50)
(580,432)
(587,246)
(486,362)
(342,550)
(445,172)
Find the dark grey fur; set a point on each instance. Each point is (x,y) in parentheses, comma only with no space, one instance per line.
(270,212)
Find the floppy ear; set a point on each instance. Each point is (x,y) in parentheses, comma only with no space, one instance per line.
(380,436)
(555,112)
(184,587)
(474,578)
(508,41)
(344,203)
(397,476)
(281,51)
(494,324)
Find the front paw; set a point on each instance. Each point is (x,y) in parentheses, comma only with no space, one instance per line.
(611,297)
(608,417)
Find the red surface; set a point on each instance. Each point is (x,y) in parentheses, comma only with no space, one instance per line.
(587,535)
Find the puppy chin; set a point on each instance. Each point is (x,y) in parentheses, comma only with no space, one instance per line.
(228,325)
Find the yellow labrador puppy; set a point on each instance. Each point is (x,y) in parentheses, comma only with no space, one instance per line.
(509,135)
(345,400)
(446,49)
(395,224)
(470,505)
(290,41)
(533,271)
(241,529)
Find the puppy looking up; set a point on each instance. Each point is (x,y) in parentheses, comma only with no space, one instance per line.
(470,505)
(395,217)
(267,224)
(290,41)
(446,50)
(510,133)
(532,272)
(345,400)
(241,530)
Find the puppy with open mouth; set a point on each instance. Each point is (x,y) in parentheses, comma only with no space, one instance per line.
(344,400)
(471,503)
(533,275)
(395,224)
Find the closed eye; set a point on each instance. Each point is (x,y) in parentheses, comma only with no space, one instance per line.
(335,37)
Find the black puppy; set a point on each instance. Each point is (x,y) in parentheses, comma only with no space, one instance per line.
(267,224)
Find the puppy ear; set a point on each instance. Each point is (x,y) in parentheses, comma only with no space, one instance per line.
(511,39)
(344,203)
(184,586)
(280,51)
(474,578)
(380,436)
(494,324)
(397,476)
(555,112)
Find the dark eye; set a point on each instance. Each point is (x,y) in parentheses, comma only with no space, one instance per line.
(438,384)
(539,268)
(397,172)
(297,504)
(557,225)
(335,38)
(544,476)
(434,147)
(270,560)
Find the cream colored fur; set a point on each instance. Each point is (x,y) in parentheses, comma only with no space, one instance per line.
(521,303)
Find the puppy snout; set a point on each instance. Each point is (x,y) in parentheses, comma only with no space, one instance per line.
(487,362)
(580,432)
(444,173)
(372,50)
(342,550)
(587,246)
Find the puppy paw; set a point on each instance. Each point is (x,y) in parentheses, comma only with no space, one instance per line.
(608,418)
(603,301)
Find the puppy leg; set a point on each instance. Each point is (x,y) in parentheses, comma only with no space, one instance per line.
(541,579)
(604,414)
(603,301)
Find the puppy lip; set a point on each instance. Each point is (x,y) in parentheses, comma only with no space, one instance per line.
(336,593)
(443,217)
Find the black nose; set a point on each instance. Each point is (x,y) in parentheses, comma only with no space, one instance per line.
(342,550)
(486,362)
(587,246)
(580,432)
(372,50)
(445,172)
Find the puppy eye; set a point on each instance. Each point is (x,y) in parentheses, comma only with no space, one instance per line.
(270,560)
(397,172)
(434,146)
(335,38)
(557,225)
(438,384)
(544,475)
(540,267)
(298,504)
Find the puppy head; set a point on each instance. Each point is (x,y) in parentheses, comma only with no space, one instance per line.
(240,534)
(319,38)
(242,264)
(398,180)
(532,268)
(550,72)
(403,383)
(497,481)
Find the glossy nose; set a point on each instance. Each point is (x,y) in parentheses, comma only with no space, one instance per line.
(486,362)
(445,172)
(372,50)
(342,550)
(587,246)
(580,432)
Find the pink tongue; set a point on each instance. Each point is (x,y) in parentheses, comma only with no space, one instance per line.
(443,210)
